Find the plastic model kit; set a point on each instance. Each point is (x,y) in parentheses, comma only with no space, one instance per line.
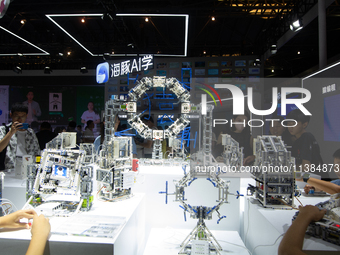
(201,213)
(201,235)
(327,228)
(203,165)
(273,172)
(62,183)
(232,153)
(116,105)
(158,135)
(114,176)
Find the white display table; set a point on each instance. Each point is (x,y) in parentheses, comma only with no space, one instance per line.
(14,190)
(130,239)
(166,241)
(262,226)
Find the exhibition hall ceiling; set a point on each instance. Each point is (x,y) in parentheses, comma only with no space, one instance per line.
(72,34)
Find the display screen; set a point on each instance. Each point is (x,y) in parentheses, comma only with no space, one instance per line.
(331,118)
(289,107)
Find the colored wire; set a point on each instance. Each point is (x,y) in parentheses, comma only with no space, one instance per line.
(235,245)
(283,202)
(265,245)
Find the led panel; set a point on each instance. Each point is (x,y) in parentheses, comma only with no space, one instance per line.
(14,54)
(185,16)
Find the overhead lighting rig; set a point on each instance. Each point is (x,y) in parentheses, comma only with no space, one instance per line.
(47,70)
(296,25)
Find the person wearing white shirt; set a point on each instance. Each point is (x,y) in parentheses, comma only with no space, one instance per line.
(90,114)
(33,108)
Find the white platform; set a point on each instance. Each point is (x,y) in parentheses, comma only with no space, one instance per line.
(14,190)
(262,226)
(166,241)
(129,240)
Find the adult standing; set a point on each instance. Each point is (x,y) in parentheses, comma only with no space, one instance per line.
(90,114)
(17,139)
(33,108)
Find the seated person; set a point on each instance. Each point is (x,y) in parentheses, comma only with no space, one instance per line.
(292,241)
(275,128)
(72,128)
(147,144)
(40,228)
(305,149)
(45,134)
(88,136)
(329,187)
(240,133)
(100,139)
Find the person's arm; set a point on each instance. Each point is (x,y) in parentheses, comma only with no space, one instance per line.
(248,160)
(83,116)
(97,120)
(13,220)
(328,187)
(292,241)
(37,110)
(36,146)
(5,141)
(147,144)
(40,231)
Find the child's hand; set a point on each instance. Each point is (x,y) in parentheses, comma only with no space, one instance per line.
(311,213)
(248,160)
(13,220)
(41,226)
(307,188)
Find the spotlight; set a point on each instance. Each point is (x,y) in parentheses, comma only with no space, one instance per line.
(82,20)
(213,18)
(296,25)
(107,17)
(273,70)
(298,52)
(23,21)
(204,52)
(146,19)
(273,49)
(47,70)
(17,69)
(68,53)
(257,62)
(83,70)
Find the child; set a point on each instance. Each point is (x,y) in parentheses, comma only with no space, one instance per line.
(305,149)
(240,132)
(292,241)
(276,128)
(40,228)
(332,187)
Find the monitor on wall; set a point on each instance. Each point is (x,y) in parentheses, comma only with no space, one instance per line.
(324,106)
